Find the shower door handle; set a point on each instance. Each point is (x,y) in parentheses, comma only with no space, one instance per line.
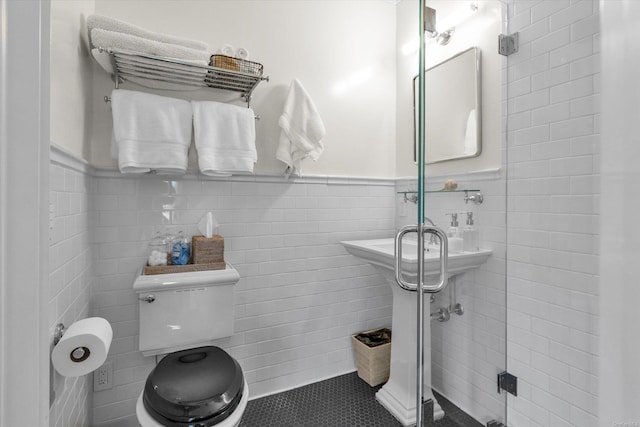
(444,250)
(444,259)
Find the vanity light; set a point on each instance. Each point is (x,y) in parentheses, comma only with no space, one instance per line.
(450,23)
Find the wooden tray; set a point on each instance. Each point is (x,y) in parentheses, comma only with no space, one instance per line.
(166,269)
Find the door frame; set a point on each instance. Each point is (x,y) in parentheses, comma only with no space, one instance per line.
(24,199)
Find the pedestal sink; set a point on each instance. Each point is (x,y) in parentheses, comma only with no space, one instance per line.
(398,395)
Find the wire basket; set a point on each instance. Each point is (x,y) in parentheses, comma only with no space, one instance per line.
(236,64)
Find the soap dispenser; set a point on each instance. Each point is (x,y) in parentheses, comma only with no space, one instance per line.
(454,235)
(471,241)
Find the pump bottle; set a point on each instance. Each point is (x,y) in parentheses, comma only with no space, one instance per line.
(454,235)
(470,235)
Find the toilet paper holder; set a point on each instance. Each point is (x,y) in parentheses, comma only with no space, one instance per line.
(58,333)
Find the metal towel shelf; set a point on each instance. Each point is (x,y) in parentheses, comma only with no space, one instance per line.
(135,66)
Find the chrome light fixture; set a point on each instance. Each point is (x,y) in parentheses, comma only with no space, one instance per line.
(444,37)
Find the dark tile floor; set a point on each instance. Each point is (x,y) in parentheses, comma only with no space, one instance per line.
(344,401)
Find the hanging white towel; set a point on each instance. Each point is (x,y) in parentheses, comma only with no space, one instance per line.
(107,23)
(302,129)
(225,137)
(152,132)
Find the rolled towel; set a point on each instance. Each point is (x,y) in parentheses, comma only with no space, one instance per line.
(111,39)
(111,24)
(225,137)
(302,129)
(151,132)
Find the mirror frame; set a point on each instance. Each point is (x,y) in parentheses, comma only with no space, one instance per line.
(478,107)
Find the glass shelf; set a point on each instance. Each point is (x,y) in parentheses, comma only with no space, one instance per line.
(474,196)
(439,191)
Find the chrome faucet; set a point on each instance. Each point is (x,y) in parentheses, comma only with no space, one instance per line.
(432,237)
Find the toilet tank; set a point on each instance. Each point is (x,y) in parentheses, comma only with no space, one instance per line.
(185,310)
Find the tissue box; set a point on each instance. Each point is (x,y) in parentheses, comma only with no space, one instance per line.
(206,250)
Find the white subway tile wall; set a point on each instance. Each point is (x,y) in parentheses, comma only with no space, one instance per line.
(552,268)
(300,295)
(70,194)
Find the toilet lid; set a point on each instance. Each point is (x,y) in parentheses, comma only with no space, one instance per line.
(200,386)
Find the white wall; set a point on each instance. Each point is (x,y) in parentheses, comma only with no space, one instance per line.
(479,30)
(619,316)
(70,195)
(71,76)
(323,44)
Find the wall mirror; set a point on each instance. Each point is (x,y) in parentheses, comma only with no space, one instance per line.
(453,109)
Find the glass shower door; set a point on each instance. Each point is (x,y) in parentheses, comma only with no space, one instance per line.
(464,321)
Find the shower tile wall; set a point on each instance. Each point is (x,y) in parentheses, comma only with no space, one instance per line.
(553,217)
(552,240)
(300,295)
(69,283)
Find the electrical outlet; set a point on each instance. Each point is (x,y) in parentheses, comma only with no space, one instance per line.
(103,377)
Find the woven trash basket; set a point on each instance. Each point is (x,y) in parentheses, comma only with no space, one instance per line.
(372,353)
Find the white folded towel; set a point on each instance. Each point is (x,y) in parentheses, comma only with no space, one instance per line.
(111,24)
(111,39)
(152,132)
(225,137)
(302,129)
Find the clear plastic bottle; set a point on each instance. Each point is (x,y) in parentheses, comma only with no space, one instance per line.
(471,240)
(454,235)
(180,250)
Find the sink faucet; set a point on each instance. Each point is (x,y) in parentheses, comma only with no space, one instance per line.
(432,237)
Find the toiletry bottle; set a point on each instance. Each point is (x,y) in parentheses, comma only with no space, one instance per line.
(454,234)
(471,241)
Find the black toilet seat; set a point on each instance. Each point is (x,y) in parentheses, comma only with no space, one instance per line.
(198,387)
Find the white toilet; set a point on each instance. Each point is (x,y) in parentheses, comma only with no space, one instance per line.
(195,384)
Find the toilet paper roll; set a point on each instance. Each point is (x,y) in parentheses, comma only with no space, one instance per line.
(83,347)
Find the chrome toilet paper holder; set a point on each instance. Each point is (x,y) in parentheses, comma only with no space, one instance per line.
(58,333)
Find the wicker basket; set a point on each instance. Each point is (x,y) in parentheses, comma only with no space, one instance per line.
(372,362)
(205,250)
(235,64)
